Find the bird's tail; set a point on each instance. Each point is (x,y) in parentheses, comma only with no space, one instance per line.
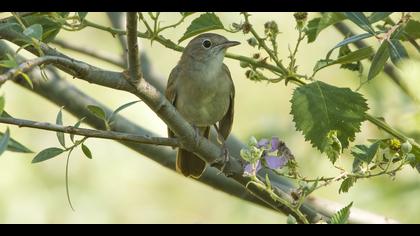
(190,164)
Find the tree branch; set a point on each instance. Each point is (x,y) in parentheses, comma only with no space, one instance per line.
(118,136)
(133,47)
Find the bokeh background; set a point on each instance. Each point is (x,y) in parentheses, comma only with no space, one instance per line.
(121,186)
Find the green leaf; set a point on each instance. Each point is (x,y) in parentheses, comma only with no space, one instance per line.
(291,220)
(204,23)
(47,154)
(379,60)
(4,141)
(34,31)
(15,146)
(86,151)
(319,108)
(122,107)
(357,55)
(346,185)
(2,103)
(361,20)
(316,25)
(51,23)
(185,14)
(412,28)
(349,40)
(378,16)
(10,62)
(97,111)
(82,15)
(27,79)
(78,123)
(59,121)
(333,148)
(342,216)
(397,51)
(365,153)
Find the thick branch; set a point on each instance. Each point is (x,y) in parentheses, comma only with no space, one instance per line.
(119,136)
(133,47)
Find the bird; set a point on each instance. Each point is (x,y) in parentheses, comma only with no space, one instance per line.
(201,88)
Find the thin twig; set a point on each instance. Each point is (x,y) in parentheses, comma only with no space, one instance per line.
(119,136)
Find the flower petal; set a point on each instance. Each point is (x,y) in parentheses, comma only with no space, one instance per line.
(252,169)
(262,143)
(274,162)
(274,143)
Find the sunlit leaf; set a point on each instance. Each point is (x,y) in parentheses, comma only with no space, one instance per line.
(379,60)
(204,23)
(365,153)
(97,111)
(378,16)
(361,20)
(86,151)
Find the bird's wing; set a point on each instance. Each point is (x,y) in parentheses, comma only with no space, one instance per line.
(225,124)
(170,92)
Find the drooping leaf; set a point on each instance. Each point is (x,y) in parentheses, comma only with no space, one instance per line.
(59,121)
(397,51)
(15,146)
(357,55)
(349,40)
(34,31)
(2,103)
(316,25)
(361,20)
(78,123)
(379,60)
(377,16)
(86,151)
(204,23)
(4,141)
(97,111)
(365,153)
(346,185)
(319,108)
(47,154)
(342,216)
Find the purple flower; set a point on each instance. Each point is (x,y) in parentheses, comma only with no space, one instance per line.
(252,169)
(263,143)
(275,162)
(275,142)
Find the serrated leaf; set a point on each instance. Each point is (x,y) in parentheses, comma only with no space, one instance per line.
(319,108)
(59,121)
(349,40)
(4,141)
(34,31)
(361,20)
(2,103)
(397,51)
(379,60)
(378,16)
(357,55)
(86,151)
(316,25)
(346,185)
(97,111)
(204,23)
(78,123)
(365,153)
(342,216)
(47,154)
(82,15)
(15,146)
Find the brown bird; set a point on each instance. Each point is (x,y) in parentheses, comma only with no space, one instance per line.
(202,90)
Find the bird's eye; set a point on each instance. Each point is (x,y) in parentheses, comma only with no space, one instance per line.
(206,43)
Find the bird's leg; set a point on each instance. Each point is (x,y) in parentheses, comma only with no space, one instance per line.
(225,151)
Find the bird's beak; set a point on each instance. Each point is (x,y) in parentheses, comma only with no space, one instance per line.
(229,44)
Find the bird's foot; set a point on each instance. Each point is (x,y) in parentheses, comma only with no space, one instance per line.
(225,159)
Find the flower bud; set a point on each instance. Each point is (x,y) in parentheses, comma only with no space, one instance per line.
(252,41)
(256,55)
(394,144)
(246,27)
(300,18)
(406,147)
(271,28)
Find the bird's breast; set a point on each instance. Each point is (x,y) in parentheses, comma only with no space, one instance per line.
(204,99)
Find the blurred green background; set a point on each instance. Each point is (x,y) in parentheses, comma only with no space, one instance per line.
(121,186)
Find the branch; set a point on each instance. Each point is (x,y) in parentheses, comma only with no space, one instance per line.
(63,94)
(107,57)
(133,47)
(119,136)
